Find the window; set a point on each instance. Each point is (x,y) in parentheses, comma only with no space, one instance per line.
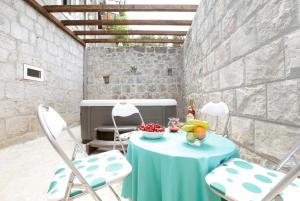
(33,73)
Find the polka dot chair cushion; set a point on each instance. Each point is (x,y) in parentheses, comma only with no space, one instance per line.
(99,170)
(240,180)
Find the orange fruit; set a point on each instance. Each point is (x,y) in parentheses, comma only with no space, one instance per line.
(200,132)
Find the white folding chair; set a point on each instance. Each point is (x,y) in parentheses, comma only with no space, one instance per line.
(217,110)
(80,176)
(239,180)
(123,110)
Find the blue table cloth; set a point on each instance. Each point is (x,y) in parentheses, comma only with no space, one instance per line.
(170,169)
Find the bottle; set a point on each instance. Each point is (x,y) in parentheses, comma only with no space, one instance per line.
(190,114)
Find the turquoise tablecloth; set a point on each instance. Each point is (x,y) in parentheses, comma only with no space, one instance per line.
(169,169)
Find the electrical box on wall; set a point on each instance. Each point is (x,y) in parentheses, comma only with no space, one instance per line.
(33,73)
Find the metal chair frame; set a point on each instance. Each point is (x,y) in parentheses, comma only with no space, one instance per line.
(274,194)
(116,132)
(74,171)
(227,113)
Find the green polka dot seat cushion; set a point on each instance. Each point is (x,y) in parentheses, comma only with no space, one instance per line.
(99,170)
(240,180)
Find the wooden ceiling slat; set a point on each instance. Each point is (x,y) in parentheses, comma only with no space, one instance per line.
(53,19)
(127,22)
(126,7)
(176,41)
(131,32)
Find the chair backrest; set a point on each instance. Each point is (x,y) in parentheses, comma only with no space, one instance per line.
(216,110)
(52,123)
(124,109)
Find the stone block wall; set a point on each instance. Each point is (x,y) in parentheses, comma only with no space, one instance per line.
(247,54)
(27,37)
(135,72)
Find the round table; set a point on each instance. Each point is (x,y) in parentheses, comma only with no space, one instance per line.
(170,169)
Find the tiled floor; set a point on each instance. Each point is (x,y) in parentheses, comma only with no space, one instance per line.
(26,170)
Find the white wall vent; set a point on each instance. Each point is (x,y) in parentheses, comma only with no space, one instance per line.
(33,73)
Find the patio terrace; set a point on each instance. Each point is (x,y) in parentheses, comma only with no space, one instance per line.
(244,53)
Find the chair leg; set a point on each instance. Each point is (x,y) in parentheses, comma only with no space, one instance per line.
(122,146)
(94,194)
(114,147)
(115,193)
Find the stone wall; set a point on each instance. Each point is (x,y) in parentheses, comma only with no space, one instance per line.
(27,37)
(150,80)
(247,54)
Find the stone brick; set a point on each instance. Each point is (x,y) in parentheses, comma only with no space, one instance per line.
(274,139)
(19,32)
(232,75)
(210,62)
(39,30)
(8,11)
(229,22)
(275,18)
(4,55)
(4,24)
(7,42)
(215,96)
(222,54)
(284,101)
(244,39)
(7,72)
(139,48)
(7,109)
(160,50)
(25,48)
(210,82)
(252,101)
(242,130)
(35,124)
(228,97)
(2,90)
(2,130)
(30,12)
(265,64)
(292,54)
(26,22)
(16,126)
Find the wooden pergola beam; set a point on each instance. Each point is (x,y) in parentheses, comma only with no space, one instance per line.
(121,8)
(131,32)
(35,5)
(176,41)
(127,22)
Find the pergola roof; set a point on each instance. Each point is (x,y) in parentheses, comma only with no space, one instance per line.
(47,11)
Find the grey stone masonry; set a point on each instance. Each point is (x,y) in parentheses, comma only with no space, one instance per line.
(26,37)
(247,54)
(134,72)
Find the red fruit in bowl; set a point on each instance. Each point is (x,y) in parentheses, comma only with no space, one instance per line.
(151,127)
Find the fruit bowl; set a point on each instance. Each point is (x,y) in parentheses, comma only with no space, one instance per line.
(195,131)
(152,130)
(197,142)
(152,135)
